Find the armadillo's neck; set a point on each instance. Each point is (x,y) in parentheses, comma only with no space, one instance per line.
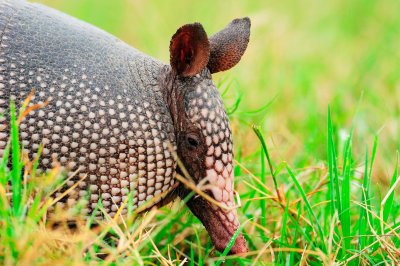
(173,96)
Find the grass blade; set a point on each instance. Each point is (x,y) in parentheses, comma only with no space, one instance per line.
(260,136)
(230,244)
(345,217)
(363,219)
(284,232)
(317,228)
(16,179)
(333,168)
(387,208)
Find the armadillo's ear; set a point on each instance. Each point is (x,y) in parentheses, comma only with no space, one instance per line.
(189,50)
(228,45)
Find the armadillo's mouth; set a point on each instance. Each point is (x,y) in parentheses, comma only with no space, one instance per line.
(218,225)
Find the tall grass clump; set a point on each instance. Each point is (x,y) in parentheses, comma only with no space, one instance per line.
(325,214)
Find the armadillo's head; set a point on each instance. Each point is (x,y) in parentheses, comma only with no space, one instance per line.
(204,137)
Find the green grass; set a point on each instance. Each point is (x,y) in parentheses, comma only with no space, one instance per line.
(317,175)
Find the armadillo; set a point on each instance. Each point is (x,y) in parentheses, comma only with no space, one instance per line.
(117,116)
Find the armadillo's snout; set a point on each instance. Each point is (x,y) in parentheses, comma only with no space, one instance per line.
(220,220)
(226,219)
(219,216)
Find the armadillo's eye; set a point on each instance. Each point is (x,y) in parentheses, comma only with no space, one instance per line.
(193,140)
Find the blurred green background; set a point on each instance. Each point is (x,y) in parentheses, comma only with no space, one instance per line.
(302,57)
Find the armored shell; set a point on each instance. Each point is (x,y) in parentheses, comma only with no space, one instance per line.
(105,112)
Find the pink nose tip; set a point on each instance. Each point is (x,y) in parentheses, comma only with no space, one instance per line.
(240,246)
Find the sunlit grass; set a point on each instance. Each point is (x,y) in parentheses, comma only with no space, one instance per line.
(317,184)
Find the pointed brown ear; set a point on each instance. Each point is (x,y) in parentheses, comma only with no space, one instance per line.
(228,45)
(189,50)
